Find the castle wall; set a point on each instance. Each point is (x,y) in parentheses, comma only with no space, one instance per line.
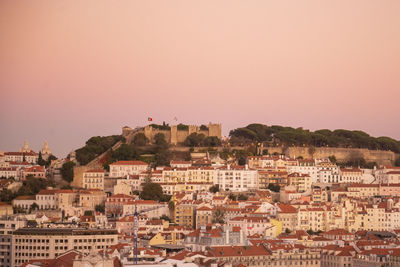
(78,176)
(175,136)
(215,129)
(341,154)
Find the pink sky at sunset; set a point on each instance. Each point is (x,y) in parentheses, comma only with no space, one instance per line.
(70,70)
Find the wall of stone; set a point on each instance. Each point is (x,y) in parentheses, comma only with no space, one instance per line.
(341,154)
(78,175)
(173,136)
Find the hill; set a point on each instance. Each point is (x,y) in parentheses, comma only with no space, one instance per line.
(288,136)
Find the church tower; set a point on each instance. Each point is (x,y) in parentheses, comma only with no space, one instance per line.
(25,148)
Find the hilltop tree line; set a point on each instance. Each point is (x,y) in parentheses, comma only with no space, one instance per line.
(289,136)
(139,149)
(95,146)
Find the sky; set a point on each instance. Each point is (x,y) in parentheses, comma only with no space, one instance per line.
(70,70)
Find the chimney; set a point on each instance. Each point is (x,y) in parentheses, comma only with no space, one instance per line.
(227,236)
(241,236)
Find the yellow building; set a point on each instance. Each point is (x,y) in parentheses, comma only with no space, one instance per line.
(184,213)
(157,239)
(5,209)
(302,182)
(278,225)
(363,190)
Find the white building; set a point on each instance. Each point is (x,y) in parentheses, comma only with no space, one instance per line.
(93,179)
(126,167)
(30,157)
(236,178)
(8,172)
(348,175)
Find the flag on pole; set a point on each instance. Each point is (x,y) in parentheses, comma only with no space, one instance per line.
(149,118)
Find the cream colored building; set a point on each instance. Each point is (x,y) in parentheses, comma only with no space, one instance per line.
(287,214)
(127,167)
(5,209)
(90,198)
(236,178)
(348,175)
(302,182)
(48,243)
(93,179)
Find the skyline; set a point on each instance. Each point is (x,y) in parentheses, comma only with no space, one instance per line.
(75,70)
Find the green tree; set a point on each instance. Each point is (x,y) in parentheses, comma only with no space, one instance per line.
(140,139)
(332,159)
(274,188)
(41,161)
(125,152)
(171,205)
(214,189)
(67,171)
(159,140)
(211,141)
(32,186)
(232,197)
(182,127)
(165,198)
(287,231)
(49,159)
(165,218)
(242,197)
(194,139)
(88,213)
(95,146)
(397,162)
(6,195)
(100,208)
(218,216)
(33,207)
(151,191)
(242,161)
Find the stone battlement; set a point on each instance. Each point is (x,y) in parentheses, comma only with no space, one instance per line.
(174,135)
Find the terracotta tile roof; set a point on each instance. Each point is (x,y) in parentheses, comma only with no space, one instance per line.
(286,208)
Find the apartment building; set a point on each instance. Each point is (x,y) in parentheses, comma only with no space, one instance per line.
(236,178)
(302,182)
(48,243)
(7,226)
(127,167)
(93,179)
(8,172)
(353,175)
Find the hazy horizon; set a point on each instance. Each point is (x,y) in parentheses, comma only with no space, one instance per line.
(72,70)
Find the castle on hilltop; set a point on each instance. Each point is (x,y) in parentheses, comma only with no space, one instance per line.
(174,134)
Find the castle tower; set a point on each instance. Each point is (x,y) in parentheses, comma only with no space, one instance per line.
(174,135)
(25,148)
(214,129)
(46,150)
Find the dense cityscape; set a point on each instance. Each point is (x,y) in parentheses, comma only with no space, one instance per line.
(180,133)
(184,195)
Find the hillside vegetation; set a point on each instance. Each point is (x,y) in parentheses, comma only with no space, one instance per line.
(298,137)
(95,146)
